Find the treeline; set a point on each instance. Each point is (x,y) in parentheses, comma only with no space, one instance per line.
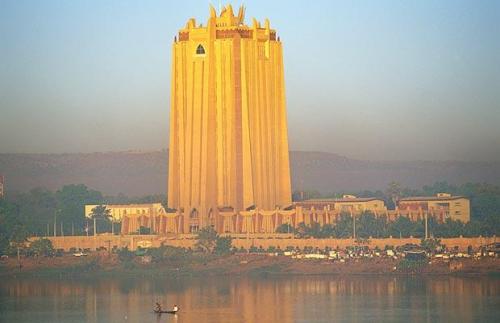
(34,213)
(367,225)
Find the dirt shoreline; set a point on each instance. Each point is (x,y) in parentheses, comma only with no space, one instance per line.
(242,264)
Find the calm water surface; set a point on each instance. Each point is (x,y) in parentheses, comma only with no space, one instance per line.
(268,299)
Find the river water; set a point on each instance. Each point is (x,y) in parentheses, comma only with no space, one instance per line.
(252,299)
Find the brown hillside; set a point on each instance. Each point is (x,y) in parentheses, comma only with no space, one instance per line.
(142,173)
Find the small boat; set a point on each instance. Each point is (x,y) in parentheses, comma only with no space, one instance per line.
(165,312)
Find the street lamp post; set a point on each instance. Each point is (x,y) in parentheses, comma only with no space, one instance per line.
(55,221)
(353,225)
(426,227)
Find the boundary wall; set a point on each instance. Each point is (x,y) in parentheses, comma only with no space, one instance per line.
(132,242)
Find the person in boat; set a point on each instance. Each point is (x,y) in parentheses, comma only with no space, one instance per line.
(175,308)
(158,307)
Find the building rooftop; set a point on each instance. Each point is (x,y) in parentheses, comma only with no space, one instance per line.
(430,198)
(341,200)
(126,205)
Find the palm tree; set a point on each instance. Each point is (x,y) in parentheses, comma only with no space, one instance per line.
(102,213)
(394,191)
(18,240)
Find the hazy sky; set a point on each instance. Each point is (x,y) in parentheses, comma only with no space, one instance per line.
(365,79)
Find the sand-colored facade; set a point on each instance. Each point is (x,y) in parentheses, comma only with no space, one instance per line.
(347,204)
(442,206)
(120,211)
(228,125)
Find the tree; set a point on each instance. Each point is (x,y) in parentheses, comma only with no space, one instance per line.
(301,230)
(401,227)
(490,224)
(223,245)
(71,201)
(472,228)
(314,230)
(344,226)
(327,231)
(450,228)
(285,228)
(440,187)
(394,192)
(368,225)
(430,245)
(305,195)
(18,239)
(9,218)
(206,239)
(42,247)
(36,210)
(102,214)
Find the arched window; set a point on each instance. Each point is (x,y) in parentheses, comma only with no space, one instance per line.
(200,50)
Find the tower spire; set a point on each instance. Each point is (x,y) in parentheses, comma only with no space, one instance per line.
(229,154)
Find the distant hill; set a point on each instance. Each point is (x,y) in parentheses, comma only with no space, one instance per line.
(143,173)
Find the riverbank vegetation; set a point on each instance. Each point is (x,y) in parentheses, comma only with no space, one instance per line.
(168,261)
(213,254)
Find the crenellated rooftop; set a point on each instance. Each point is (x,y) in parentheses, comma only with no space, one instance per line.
(229,25)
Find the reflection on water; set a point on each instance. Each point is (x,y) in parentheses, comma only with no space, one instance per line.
(271,299)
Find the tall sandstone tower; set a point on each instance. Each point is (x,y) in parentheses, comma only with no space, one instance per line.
(228,151)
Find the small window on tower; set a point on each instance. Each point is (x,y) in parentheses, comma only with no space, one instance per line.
(200,50)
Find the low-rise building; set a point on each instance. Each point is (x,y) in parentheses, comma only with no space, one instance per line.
(442,206)
(347,204)
(328,211)
(133,216)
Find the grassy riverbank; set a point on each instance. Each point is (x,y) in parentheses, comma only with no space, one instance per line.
(239,264)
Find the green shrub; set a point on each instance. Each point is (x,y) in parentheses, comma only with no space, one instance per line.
(125,255)
(271,249)
(223,245)
(431,244)
(42,247)
(171,255)
(207,239)
(411,265)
